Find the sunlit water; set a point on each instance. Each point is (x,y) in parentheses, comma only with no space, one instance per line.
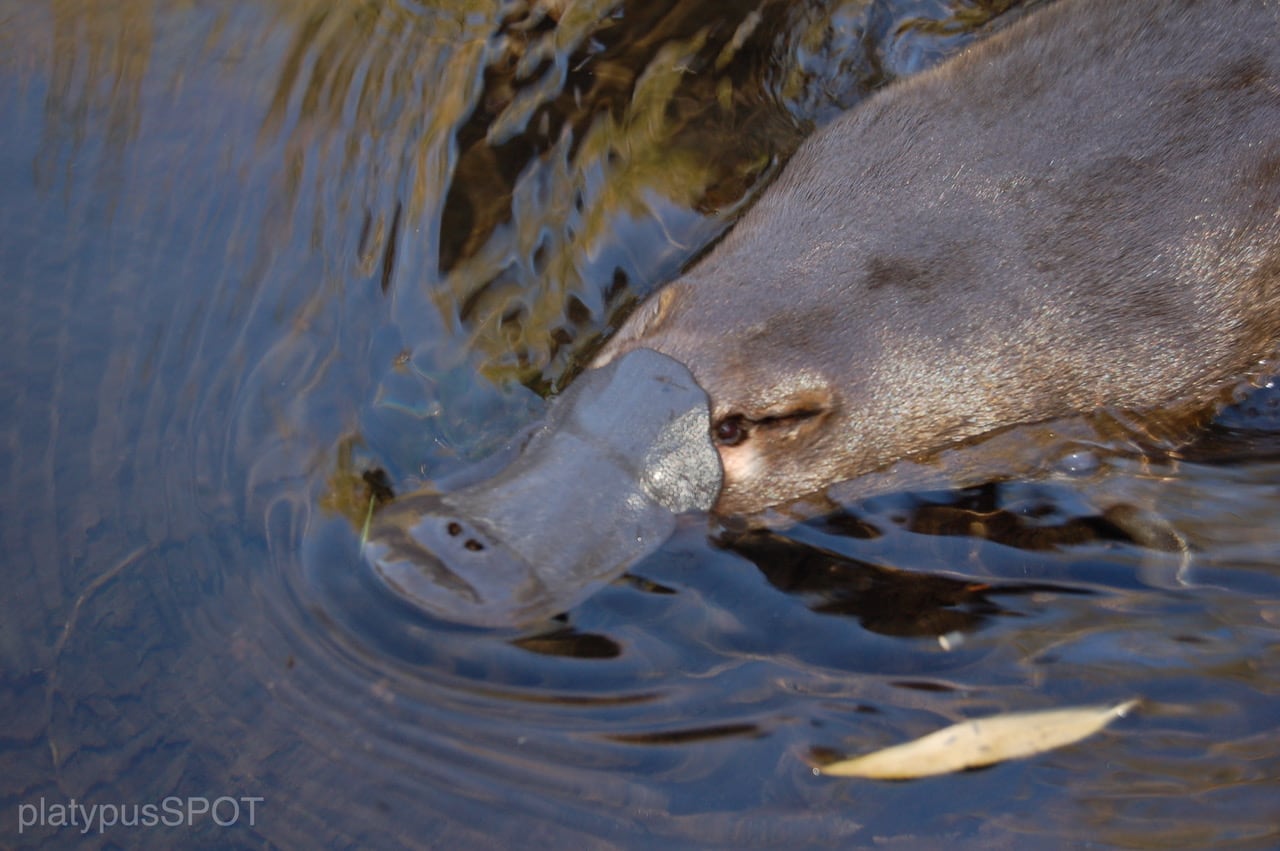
(250,251)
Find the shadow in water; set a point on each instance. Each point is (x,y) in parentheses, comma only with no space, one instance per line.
(887,600)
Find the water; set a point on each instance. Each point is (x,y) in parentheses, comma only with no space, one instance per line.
(252,250)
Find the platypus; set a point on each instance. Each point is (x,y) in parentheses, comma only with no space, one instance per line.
(1081,212)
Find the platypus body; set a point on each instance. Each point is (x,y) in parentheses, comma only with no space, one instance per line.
(1079,213)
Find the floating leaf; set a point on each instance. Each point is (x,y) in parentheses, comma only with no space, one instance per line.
(979,742)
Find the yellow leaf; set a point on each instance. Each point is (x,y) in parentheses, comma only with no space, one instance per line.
(982,741)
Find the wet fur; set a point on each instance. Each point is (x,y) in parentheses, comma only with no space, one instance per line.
(1080,212)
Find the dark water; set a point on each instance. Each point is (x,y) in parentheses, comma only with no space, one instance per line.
(251,250)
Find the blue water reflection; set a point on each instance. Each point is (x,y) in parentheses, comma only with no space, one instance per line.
(250,251)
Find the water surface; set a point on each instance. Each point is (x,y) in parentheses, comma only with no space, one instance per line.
(253,250)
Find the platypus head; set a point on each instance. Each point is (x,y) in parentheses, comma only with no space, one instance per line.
(809,388)
(774,410)
(818,372)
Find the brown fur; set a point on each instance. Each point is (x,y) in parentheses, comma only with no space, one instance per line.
(1082,211)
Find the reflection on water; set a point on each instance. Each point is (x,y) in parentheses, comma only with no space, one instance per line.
(252,250)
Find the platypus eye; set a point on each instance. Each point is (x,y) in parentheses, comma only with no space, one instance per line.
(731,431)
